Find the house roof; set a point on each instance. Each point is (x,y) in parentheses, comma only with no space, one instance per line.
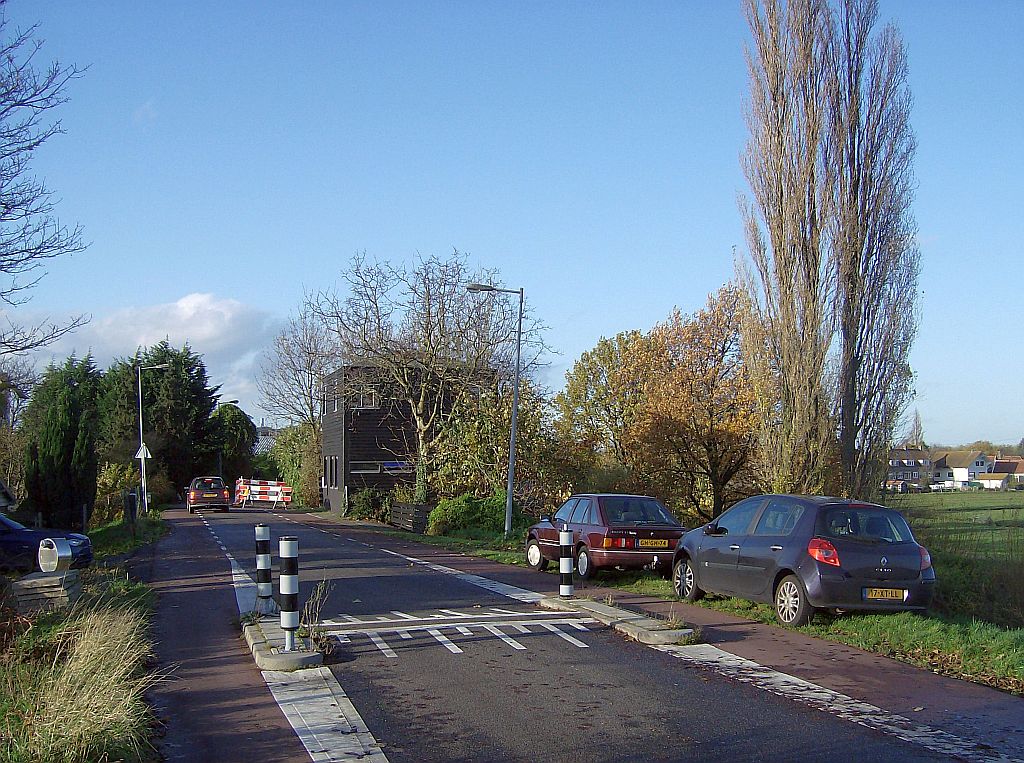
(1008,466)
(957,459)
(994,476)
(907,454)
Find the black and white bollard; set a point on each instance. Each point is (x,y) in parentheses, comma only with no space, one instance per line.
(289,584)
(264,583)
(565,564)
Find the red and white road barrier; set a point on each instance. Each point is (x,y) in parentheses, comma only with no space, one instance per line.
(262,491)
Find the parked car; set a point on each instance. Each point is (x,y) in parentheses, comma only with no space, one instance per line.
(804,553)
(608,530)
(208,493)
(19,546)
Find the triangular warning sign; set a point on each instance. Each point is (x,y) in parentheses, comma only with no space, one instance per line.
(143,452)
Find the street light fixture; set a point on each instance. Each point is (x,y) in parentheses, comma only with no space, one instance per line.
(143,453)
(220,450)
(477,288)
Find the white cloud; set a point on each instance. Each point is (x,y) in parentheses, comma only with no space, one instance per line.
(230,335)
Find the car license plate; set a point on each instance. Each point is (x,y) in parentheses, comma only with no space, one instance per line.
(652,543)
(209,495)
(885,594)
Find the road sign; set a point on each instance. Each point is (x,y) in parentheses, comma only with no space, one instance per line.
(143,452)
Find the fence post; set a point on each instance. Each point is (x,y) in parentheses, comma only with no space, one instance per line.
(289,593)
(264,584)
(565,563)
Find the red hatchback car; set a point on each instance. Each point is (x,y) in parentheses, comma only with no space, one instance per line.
(608,530)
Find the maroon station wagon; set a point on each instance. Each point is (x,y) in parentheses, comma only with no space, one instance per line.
(608,530)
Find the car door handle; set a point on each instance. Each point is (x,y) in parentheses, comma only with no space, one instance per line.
(776,548)
(734,547)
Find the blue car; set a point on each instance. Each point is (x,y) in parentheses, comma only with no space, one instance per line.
(805,553)
(19,546)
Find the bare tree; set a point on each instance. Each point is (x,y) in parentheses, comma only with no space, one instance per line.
(29,233)
(789,330)
(874,251)
(293,369)
(427,339)
(915,433)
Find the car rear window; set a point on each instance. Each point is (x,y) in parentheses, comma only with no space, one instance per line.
(209,484)
(865,523)
(624,510)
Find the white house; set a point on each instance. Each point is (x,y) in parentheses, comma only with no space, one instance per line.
(955,468)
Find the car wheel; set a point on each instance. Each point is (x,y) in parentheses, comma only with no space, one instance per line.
(584,569)
(534,558)
(791,605)
(683,581)
(191,510)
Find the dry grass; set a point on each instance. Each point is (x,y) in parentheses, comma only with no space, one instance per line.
(77,695)
(310,619)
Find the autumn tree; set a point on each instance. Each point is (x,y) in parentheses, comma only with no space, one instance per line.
(790,284)
(697,425)
(30,234)
(831,241)
(871,151)
(426,341)
(598,405)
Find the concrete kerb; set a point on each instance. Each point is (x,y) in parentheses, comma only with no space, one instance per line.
(646,630)
(262,635)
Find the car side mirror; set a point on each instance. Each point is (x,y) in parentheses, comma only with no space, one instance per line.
(713,529)
(545,517)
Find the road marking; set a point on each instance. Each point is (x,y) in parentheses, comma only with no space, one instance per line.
(443,641)
(561,634)
(464,630)
(324,718)
(380,644)
(507,639)
(314,703)
(405,620)
(820,698)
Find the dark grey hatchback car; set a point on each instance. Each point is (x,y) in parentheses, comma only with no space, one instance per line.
(804,553)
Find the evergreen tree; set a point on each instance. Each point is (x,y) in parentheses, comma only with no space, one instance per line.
(61,429)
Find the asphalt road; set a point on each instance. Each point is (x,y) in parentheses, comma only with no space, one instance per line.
(514,684)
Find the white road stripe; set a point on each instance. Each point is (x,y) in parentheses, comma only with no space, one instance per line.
(380,644)
(507,639)
(402,615)
(832,702)
(323,717)
(404,634)
(482,616)
(443,641)
(373,628)
(558,632)
(464,630)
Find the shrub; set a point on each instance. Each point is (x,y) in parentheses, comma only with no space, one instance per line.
(467,514)
(370,503)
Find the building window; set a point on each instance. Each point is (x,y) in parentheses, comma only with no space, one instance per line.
(915,475)
(979,463)
(365,397)
(365,467)
(398,467)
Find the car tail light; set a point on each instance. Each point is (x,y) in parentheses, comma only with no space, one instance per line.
(823,551)
(191,495)
(926,558)
(617,543)
(226,494)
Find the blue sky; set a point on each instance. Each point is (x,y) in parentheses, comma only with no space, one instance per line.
(226,158)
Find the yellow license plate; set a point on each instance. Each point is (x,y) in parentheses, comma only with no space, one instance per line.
(652,543)
(209,495)
(886,594)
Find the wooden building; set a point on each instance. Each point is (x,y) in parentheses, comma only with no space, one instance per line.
(368,439)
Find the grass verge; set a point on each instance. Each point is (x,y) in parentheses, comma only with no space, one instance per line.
(119,538)
(72,684)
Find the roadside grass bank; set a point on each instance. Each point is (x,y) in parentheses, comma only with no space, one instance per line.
(954,640)
(72,683)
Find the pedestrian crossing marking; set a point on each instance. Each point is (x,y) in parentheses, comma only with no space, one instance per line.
(443,625)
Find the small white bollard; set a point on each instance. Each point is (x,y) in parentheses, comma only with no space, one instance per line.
(288,581)
(565,563)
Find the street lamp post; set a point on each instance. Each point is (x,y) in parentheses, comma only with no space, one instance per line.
(483,287)
(220,449)
(143,453)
